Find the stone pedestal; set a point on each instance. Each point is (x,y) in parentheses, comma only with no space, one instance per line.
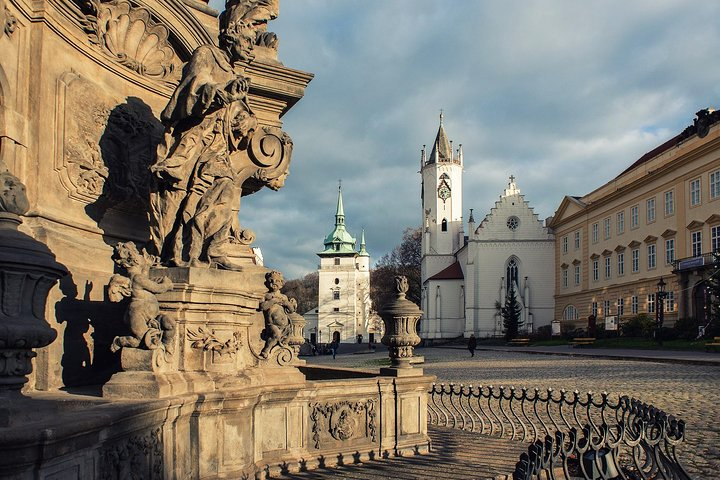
(218,338)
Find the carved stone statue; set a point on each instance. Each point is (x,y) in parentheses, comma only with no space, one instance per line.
(276,309)
(255,14)
(213,151)
(148,327)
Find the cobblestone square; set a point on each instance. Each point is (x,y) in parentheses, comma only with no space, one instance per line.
(689,392)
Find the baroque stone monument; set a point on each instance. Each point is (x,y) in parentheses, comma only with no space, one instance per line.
(136,127)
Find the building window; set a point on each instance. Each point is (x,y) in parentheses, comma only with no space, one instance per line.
(635,258)
(695,192)
(651,263)
(620,222)
(620,306)
(564,277)
(337,261)
(606,226)
(634,218)
(593,309)
(336,294)
(577,240)
(715,238)
(606,308)
(651,303)
(621,263)
(634,305)
(564,244)
(595,232)
(670,302)
(696,242)
(337,281)
(577,274)
(608,268)
(669,251)
(715,184)
(511,273)
(443,225)
(336,309)
(651,210)
(570,313)
(596,270)
(669,203)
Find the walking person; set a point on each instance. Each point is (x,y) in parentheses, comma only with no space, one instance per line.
(472,345)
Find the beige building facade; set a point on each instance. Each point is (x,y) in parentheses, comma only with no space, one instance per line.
(658,219)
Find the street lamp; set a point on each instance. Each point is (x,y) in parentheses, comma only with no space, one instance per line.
(659,309)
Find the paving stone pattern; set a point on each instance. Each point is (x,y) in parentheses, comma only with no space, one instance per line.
(690,392)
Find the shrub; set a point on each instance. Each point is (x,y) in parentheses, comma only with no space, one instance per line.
(544,332)
(638,326)
(686,328)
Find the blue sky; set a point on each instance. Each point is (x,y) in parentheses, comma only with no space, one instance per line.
(562,94)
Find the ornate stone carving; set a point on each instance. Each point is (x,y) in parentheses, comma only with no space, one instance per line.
(139,456)
(206,339)
(400,317)
(343,420)
(8,22)
(149,328)
(130,36)
(106,150)
(254,16)
(213,153)
(28,271)
(276,309)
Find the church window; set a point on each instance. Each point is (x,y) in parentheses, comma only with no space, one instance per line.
(443,226)
(337,281)
(570,313)
(337,261)
(337,247)
(336,309)
(511,273)
(336,294)
(513,222)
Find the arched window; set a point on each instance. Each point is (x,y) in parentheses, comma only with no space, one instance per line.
(511,273)
(570,313)
(444,225)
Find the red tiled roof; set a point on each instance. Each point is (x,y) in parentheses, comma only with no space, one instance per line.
(453,272)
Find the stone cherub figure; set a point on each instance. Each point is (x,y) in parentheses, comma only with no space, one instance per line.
(276,309)
(148,327)
(205,162)
(13,198)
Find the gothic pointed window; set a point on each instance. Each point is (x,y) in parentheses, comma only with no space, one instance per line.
(444,225)
(511,273)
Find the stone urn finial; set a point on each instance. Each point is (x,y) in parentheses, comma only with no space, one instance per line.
(28,270)
(400,316)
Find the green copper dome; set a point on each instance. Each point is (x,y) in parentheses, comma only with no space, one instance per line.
(339,241)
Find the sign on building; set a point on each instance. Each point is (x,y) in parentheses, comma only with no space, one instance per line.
(611,323)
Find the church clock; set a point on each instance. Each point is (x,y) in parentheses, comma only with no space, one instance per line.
(443,191)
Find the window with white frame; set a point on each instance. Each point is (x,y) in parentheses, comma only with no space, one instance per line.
(651,303)
(634,304)
(621,263)
(608,267)
(570,313)
(577,274)
(564,277)
(577,240)
(715,238)
(606,308)
(634,216)
(669,251)
(596,270)
(650,210)
(695,194)
(669,203)
(620,306)
(564,244)
(594,309)
(670,302)
(651,263)
(620,222)
(715,184)
(635,259)
(606,225)
(696,242)
(595,232)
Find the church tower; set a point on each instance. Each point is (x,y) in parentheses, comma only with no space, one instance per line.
(344,284)
(443,233)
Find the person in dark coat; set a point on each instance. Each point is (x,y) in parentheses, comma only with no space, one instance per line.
(472,345)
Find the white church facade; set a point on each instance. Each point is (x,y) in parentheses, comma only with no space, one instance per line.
(466,277)
(344,307)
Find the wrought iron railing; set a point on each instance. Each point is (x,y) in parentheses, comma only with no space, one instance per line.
(571,435)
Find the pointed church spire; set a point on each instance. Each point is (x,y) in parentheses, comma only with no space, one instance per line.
(340,212)
(441,151)
(363,252)
(339,241)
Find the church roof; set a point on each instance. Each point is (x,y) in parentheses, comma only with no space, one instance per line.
(453,272)
(441,151)
(363,252)
(339,241)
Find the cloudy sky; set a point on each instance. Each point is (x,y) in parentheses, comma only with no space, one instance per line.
(562,94)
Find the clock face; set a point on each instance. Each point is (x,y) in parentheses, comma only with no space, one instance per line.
(444,191)
(513,222)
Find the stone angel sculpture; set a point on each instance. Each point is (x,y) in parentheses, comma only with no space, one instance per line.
(276,309)
(149,328)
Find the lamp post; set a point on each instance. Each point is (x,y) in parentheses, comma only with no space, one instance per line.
(659,309)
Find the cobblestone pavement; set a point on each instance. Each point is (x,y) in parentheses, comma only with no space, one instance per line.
(690,392)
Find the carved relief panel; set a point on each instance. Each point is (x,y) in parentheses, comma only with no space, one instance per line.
(138,456)
(334,424)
